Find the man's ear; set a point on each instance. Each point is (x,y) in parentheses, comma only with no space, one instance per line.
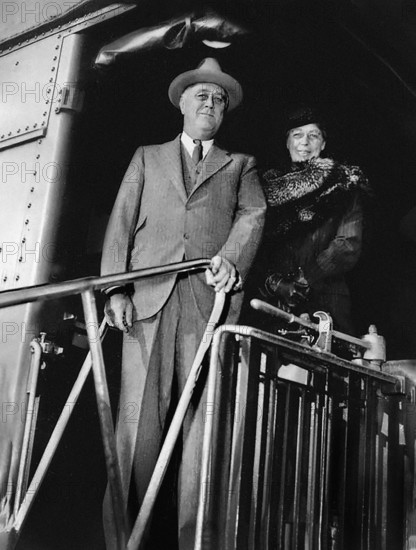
(181,104)
(323,145)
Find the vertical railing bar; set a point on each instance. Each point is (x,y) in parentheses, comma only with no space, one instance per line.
(311,491)
(377,481)
(250,358)
(33,382)
(328,460)
(105,417)
(298,467)
(267,487)
(384,499)
(322,470)
(234,482)
(373,478)
(206,443)
(362,462)
(369,463)
(282,492)
(265,520)
(260,442)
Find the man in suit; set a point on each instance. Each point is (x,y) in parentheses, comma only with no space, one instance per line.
(185,199)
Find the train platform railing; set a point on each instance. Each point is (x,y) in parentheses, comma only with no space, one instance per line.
(303,449)
(24,496)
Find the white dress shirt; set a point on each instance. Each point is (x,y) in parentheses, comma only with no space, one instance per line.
(189,144)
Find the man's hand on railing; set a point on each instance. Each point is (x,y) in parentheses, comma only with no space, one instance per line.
(222,274)
(118,311)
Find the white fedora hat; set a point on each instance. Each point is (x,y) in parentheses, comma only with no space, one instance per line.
(208,71)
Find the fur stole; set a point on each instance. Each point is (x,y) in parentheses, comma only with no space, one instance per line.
(309,194)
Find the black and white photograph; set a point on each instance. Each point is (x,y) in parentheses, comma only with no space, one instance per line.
(208,275)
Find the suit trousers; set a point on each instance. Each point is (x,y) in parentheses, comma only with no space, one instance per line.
(155,351)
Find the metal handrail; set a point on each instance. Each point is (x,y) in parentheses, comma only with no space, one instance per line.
(85,287)
(77,286)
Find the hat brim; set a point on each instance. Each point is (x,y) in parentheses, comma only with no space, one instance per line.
(196,76)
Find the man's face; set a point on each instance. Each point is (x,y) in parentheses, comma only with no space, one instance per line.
(203,106)
(305,142)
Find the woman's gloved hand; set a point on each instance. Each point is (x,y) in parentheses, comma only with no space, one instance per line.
(292,290)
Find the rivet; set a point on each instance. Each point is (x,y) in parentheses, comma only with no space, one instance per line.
(2,136)
(17,277)
(38,156)
(39,141)
(57,110)
(60,92)
(21,258)
(35,125)
(9,134)
(48,91)
(43,123)
(53,68)
(4,279)
(45,113)
(26,127)
(56,47)
(17,63)
(26,222)
(30,204)
(23,240)
(55,58)
(47,101)
(31,190)
(18,130)
(51,79)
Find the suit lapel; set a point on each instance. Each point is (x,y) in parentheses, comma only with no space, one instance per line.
(215,160)
(172,165)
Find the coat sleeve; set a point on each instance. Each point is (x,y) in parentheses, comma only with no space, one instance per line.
(246,232)
(344,249)
(120,229)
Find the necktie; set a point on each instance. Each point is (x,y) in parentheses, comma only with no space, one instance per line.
(197,152)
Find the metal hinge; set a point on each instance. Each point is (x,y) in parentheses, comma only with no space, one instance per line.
(71,98)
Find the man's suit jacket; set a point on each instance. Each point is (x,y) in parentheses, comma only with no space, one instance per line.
(154,222)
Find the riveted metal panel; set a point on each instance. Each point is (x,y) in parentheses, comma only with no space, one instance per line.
(79,18)
(32,187)
(19,17)
(29,90)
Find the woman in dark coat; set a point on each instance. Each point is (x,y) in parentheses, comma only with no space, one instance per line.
(314,225)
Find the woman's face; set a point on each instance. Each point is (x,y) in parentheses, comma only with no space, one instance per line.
(305,142)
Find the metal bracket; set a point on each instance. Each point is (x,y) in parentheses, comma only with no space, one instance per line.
(324,341)
(72,99)
(49,347)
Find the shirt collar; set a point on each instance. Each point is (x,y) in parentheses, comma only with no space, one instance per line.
(189,144)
